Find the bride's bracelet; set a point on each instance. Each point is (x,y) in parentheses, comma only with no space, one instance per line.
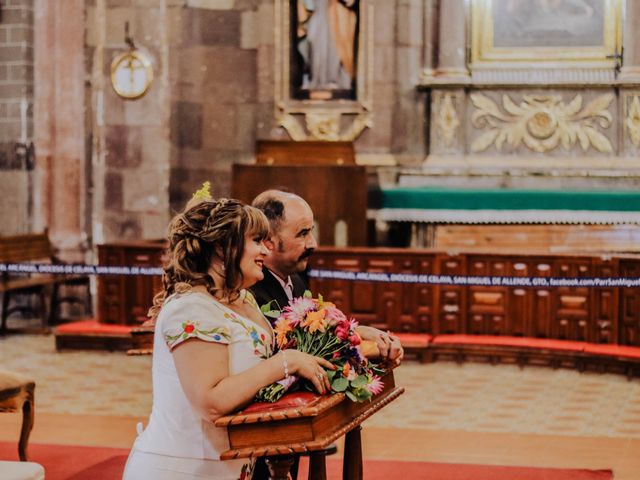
(285,364)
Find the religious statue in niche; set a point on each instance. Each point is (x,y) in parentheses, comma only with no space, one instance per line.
(324,49)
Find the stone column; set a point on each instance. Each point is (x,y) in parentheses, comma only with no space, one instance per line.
(452,40)
(408,135)
(429,17)
(631,41)
(60,129)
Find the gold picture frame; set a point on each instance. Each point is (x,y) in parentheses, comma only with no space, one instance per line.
(318,118)
(545,33)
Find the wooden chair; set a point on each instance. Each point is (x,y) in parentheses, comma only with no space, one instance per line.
(16,393)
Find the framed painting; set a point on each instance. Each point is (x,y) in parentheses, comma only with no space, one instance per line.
(536,32)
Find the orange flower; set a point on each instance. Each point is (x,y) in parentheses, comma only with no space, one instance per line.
(281,329)
(314,321)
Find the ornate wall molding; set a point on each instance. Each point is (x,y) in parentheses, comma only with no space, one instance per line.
(328,120)
(447,120)
(543,76)
(542,123)
(632,121)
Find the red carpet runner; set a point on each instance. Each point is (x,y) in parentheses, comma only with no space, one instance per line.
(96,463)
(385,470)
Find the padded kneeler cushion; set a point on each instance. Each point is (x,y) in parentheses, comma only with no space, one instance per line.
(522,342)
(288,400)
(613,350)
(93,327)
(414,339)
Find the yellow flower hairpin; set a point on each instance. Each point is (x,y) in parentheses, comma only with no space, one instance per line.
(204,193)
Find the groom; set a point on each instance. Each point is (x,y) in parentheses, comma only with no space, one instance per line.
(290,244)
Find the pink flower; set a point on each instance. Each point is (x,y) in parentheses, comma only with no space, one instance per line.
(354,339)
(375,385)
(342,332)
(353,324)
(333,316)
(298,308)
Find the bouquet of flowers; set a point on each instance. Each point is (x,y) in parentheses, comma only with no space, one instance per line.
(318,328)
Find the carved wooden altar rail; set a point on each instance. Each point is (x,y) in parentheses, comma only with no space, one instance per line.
(596,315)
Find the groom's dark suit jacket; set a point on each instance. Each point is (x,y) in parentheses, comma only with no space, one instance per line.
(266,290)
(269,288)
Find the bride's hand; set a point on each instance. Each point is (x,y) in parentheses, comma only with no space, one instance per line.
(310,367)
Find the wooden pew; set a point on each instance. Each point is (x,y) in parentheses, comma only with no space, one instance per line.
(35,248)
(551,238)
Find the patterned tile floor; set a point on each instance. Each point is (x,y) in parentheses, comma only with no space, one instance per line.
(79,382)
(441,396)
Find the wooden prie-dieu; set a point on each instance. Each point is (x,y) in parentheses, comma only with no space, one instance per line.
(279,432)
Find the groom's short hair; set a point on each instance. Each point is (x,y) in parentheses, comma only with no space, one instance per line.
(272,204)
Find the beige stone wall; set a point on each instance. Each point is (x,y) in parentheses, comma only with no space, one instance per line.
(16,114)
(127,165)
(214,72)
(110,169)
(130,147)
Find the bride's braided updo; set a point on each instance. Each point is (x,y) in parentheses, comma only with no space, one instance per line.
(208,230)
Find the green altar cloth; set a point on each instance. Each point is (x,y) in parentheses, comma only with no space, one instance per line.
(460,205)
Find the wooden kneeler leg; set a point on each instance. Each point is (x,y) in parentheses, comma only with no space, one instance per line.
(5,311)
(88,309)
(318,466)
(53,307)
(27,422)
(318,462)
(352,466)
(279,466)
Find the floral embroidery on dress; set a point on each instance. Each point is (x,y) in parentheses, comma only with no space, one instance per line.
(247,471)
(192,329)
(261,345)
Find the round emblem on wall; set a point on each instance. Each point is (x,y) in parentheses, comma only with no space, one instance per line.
(131,74)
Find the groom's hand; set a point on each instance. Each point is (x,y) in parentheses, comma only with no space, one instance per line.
(388,345)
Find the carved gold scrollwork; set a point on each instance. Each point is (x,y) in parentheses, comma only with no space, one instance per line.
(323,125)
(632,121)
(542,123)
(447,121)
